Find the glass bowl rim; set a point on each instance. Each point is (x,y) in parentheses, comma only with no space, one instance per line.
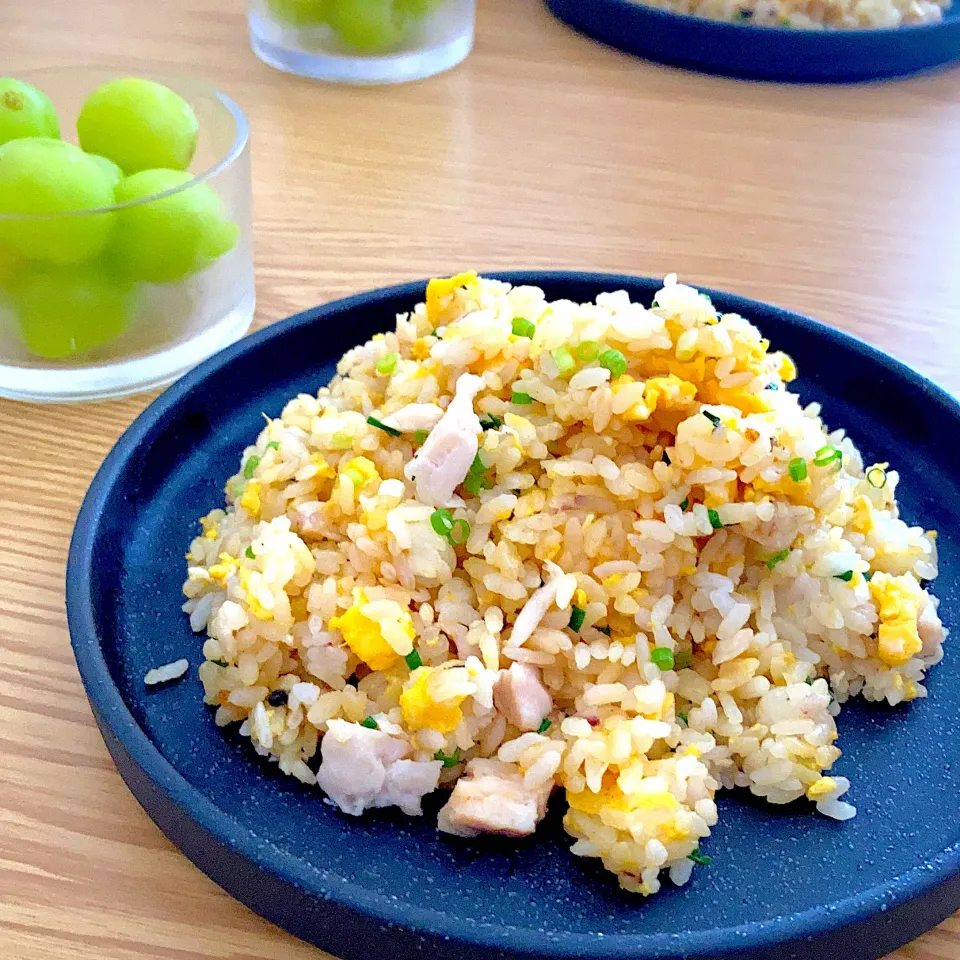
(241,137)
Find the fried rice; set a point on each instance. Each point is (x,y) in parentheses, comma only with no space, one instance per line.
(519,546)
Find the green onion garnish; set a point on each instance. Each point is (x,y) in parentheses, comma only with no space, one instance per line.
(472,484)
(714,519)
(563,358)
(588,350)
(237,488)
(827,455)
(490,422)
(342,440)
(369,723)
(380,425)
(877,477)
(712,417)
(682,717)
(771,385)
(666,458)
(614,361)
(520,398)
(272,445)
(846,577)
(478,467)
(798,469)
(521,327)
(413,659)
(662,657)
(605,630)
(683,659)
(576,618)
(219,663)
(868,576)
(250,467)
(775,558)
(684,503)
(249,554)
(544,726)
(698,858)
(448,760)
(459,532)
(387,363)
(442,522)
(420,437)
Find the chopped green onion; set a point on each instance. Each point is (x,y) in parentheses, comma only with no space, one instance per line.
(342,440)
(683,659)
(827,455)
(775,558)
(868,576)
(666,458)
(380,425)
(472,484)
(490,422)
(420,437)
(448,760)
(714,519)
(369,723)
(605,630)
(544,726)
(219,663)
(520,398)
(387,363)
(798,469)
(662,657)
(273,445)
(522,327)
(614,361)
(588,350)
(577,615)
(846,577)
(478,467)
(684,503)
(442,522)
(249,554)
(712,417)
(459,532)
(772,385)
(698,858)
(356,477)
(877,477)
(250,467)
(563,358)
(682,717)
(237,488)
(413,659)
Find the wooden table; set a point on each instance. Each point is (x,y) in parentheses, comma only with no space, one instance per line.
(542,150)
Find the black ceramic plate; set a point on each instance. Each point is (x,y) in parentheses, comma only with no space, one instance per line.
(783,884)
(764,53)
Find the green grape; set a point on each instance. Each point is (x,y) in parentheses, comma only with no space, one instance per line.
(139,125)
(66,310)
(298,13)
(25,111)
(10,264)
(166,239)
(418,8)
(39,175)
(368,25)
(112,172)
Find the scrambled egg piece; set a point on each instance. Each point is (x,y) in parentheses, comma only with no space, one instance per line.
(898,604)
(360,470)
(250,499)
(421,710)
(611,797)
(441,288)
(256,607)
(822,787)
(210,530)
(365,636)
(222,571)
(785,366)
(669,392)
(324,469)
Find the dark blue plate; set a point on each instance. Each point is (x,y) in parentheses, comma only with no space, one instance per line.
(784,883)
(764,53)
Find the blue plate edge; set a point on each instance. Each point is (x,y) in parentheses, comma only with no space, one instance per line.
(110,708)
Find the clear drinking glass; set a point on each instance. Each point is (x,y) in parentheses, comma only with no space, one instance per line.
(127,336)
(362,41)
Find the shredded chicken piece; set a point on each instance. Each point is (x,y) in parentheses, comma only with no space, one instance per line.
(521,697)
(442,463)
(415,416)
(490,798)
(364,768)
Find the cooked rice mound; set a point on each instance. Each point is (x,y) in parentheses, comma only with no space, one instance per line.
(598,547)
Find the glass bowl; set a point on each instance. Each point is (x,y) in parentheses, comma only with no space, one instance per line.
(86,330)
(362,41)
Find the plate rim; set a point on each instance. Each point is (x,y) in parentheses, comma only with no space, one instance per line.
(110,707)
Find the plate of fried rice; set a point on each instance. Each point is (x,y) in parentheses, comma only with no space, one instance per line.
(800,41)
(548,615)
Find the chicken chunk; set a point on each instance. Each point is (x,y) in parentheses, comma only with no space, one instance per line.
(442,463)
(415,416)
(363,768)
(520,696)
(491,798)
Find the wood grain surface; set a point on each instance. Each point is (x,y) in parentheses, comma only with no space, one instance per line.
(542,150)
